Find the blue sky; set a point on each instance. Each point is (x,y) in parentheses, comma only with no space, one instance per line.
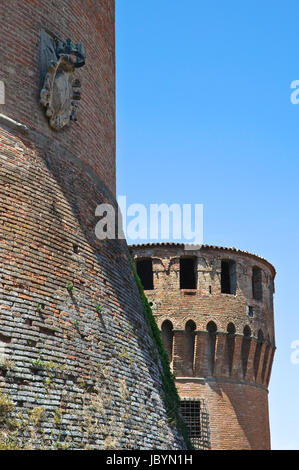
(204,116)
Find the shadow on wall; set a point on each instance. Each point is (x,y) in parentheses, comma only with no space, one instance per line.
(246,410)
(58,195)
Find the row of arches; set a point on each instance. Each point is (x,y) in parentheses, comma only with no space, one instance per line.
(190,327)
(189,362)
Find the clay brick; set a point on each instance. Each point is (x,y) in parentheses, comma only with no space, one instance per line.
(95,374)
(230,372)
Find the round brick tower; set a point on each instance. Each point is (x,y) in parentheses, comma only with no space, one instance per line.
(214,307)
(78,367)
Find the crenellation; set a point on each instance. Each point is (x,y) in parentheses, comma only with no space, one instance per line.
(226,359)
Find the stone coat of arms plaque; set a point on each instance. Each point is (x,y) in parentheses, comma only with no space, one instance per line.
(59,94)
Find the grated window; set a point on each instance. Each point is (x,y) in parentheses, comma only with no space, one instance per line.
(191,413)
(196,418)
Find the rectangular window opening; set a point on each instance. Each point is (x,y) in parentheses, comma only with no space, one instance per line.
(250,311)
(145,272)
(228,277)
(190,411)
(257,289)
(187,273)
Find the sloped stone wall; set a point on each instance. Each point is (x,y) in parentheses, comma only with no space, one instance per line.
(77,360)
(78,368)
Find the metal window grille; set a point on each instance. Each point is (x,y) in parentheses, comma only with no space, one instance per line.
(196,417)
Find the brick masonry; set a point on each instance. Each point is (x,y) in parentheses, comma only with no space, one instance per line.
(92,138)
(233,378)
(77,364)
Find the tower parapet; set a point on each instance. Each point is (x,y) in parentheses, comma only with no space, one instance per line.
(214,307)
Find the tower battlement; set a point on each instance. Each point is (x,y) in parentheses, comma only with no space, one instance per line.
(214,307)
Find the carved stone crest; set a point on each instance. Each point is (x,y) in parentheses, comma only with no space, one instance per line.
(59,94)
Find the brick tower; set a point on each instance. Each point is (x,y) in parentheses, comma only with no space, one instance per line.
(214,307)
(78,367)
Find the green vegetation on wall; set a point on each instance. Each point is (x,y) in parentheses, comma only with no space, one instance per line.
(171,397)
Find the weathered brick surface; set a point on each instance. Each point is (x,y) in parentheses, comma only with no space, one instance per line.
(238,413)
(79,376)
(92,138)
(230,372)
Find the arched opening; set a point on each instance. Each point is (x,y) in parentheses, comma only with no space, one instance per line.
(189,341)
(231,329)
(230,346)
(245,348)
(257,288)
(257,354)
(247,331)
(211,344)
(211,327)
(167,337)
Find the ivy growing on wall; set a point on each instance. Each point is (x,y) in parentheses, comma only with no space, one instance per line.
(171,397)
